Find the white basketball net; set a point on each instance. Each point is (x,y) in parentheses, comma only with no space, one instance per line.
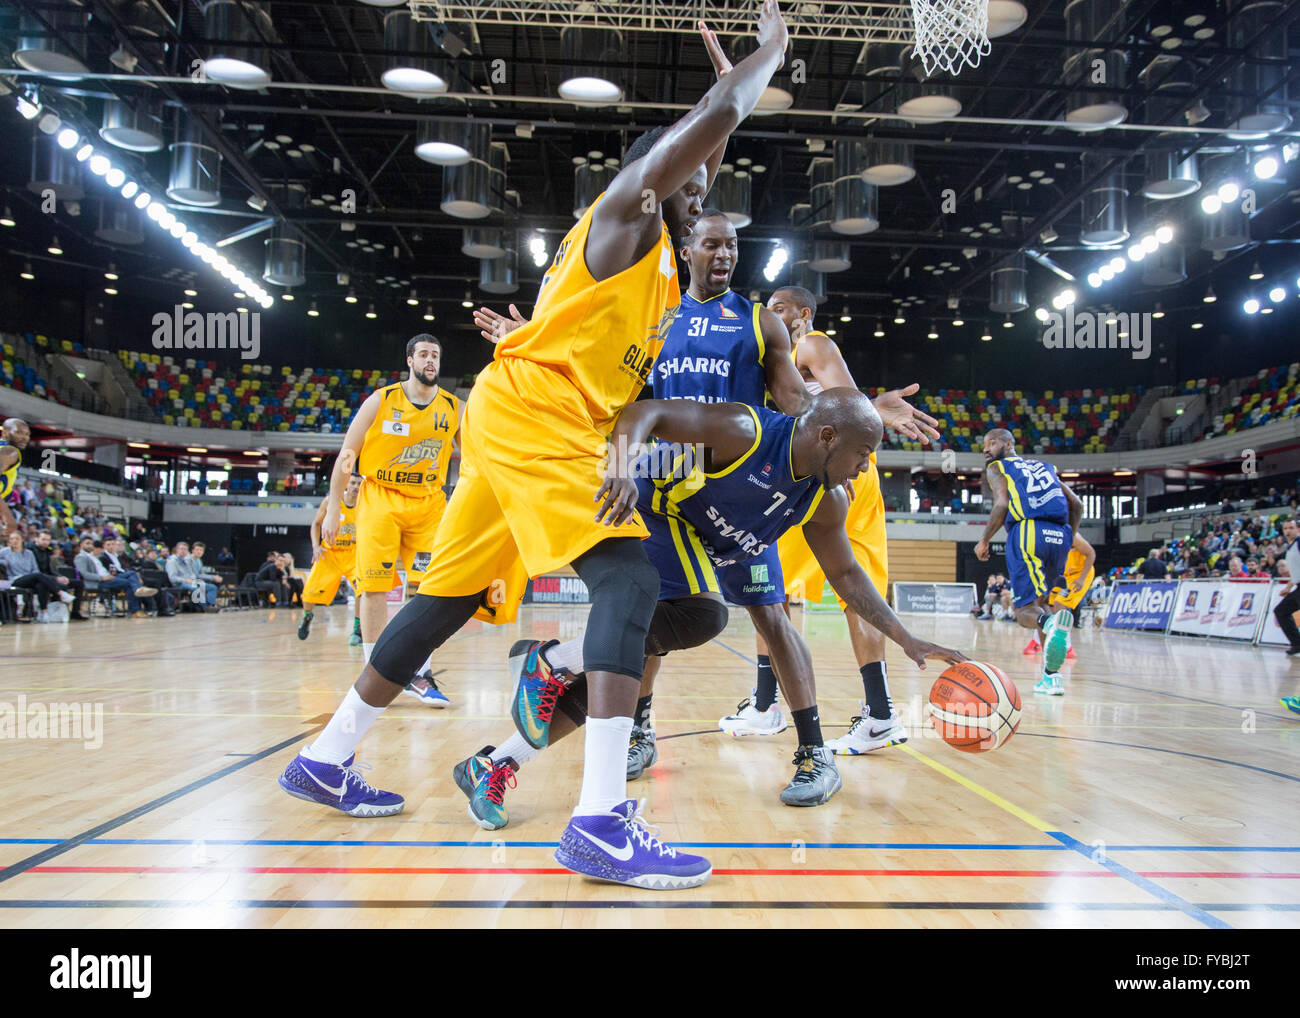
(951,34)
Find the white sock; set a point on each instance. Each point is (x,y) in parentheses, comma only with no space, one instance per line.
(427,666)
(604,769)
(568,656)
(345,729)
(366,648)
(516,749)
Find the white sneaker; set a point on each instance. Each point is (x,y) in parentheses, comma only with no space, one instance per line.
(749,720)
(867,734)
(1051,684)
(65,597)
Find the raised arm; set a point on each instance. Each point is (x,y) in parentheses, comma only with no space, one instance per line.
(726,429)
(633,198)
(830,544)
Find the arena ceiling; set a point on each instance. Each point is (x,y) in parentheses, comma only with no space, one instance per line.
(1006,178)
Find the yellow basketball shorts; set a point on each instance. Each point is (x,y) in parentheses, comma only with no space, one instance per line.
(532,460)
(804,579)
(392,525)
(1061,595)
(327,572)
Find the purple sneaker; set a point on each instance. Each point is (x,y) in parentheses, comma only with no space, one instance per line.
(622,848)
(339,787)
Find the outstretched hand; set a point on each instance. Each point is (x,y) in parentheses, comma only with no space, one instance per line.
(494,325)
(898,414)
(720,62)
(772,27)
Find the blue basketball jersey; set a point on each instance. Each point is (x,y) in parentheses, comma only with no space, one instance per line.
(740,511)
(1034,490)
(713,352)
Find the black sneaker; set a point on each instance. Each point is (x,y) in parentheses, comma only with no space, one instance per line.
(304,630)
(641,751)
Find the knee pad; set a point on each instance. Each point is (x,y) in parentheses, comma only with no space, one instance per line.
(624,587)
(420,628)
(684,622)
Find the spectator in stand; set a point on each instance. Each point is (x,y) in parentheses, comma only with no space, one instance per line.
(294,583)
(202,572)
(92,571)
(48,561)
(1236,569)
(25,575)
(181,575)
(119,563)
(224,558)
(271,579)
(1153,567)
(993,595)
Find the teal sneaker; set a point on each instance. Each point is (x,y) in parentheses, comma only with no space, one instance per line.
(1291,703)
(355,639)
(1056,640)
(537,687)
(1051,684)
(484,784)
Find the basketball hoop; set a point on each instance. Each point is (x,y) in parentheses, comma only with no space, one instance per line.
(950,34)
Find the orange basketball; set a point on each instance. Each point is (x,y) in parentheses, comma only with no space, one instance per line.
(974,707)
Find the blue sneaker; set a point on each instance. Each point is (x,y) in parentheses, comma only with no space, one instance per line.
(537,687)
(1056,640)
(622,848)
(1291,703)
(484,784)
(340,787)
(424,689)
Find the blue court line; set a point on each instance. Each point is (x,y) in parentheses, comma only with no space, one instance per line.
(743,657)
(847,845)
(1137,880)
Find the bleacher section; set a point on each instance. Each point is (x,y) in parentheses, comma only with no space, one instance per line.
(1273,394)
(200,394)
(1073,421)
(22,373)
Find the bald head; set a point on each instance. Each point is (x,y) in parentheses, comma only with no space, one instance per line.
(998,443)
(16,432)
(836,436)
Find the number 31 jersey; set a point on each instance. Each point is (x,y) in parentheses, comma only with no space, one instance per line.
(713,353)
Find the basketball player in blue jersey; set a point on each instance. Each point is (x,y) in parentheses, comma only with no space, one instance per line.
(724,348)
(14,436)
(1041,515)
(764,473)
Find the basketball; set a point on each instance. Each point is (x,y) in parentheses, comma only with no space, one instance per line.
(974,707)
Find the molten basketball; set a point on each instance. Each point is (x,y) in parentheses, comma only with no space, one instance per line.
(974,707)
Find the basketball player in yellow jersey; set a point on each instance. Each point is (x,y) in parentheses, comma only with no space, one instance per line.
(1079,575)
(330,563)
(822,366)
(14,436)
(534,443)
(401,440)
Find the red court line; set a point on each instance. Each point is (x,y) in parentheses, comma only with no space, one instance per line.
(558,871)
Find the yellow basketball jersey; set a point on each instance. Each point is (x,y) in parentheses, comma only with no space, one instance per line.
(408,448)
(603,336)
(347,538)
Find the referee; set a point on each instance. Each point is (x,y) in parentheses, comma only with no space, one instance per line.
(1290,604)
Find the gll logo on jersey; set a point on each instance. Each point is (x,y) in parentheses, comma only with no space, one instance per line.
(726,312)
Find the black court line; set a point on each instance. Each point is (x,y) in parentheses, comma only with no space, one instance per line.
(23,865)
(837,906)
(1157,749)
(682,735)
(1193,699)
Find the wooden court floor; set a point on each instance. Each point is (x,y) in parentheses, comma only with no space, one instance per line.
(1160,792)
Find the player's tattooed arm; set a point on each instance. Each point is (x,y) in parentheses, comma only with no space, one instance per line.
(998,514)
(727,430)
(830,545)
(784,382)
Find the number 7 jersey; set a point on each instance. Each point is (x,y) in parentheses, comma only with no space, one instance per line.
(740,511)
(1034,491)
